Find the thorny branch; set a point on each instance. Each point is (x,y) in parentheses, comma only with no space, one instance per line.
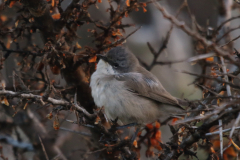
(63,55)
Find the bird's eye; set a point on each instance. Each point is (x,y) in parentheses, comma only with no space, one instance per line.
(115,65)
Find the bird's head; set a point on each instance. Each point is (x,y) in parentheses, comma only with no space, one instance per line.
(120,60)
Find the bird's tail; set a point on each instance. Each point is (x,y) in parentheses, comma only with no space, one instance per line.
(183,102)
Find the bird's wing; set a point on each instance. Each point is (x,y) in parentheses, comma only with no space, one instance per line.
(147,87)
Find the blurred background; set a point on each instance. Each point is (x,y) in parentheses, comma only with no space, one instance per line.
(153,29)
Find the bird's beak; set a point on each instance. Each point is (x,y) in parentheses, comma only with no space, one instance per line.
(103,57)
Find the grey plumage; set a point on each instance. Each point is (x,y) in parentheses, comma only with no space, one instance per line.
(128,91)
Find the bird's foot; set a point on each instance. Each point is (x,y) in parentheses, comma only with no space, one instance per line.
(115,126)
(134,135)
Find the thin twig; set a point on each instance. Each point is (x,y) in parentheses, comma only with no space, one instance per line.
(213,78)
(81,133)
(221,137)
(234,125)
(217,132)
(194,34)
(234,39)
(219,27)
(224,69)
(230,30)
(49,99)
(43,148)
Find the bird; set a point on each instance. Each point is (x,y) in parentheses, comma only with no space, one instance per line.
(128,92)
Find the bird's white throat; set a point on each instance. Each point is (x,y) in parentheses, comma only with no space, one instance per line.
(105,68)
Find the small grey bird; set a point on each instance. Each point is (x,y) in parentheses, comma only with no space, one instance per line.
(128,91)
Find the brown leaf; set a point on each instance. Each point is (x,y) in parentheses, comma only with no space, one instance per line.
(144,9)
(210,59)
(55,69)
(5,101)
(53,3)
(11,4)
(97,120)
(149,126)
(3,18)
(128,3)
(56,123)
(157,125)
(50,115)
(92,59)
(56,16)
(78,46)
(135,144)
(235,145)
(230,151)
(25,106)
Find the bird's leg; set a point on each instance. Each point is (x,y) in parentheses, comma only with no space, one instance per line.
(114,127)
(127,125)
(135,134)
(164,122)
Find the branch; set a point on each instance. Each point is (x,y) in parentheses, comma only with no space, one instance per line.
(217,132)
(49,99)
(15,143)
(194,34)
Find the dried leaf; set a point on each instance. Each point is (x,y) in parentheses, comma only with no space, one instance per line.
(212,150)
(53,3)
(195,146)
(5,101)
(135,144)
(139,133)
(56,123)
(144,4)
(126,138)
(157,125)
(117,33)
(235,145)
(154,142)
(210,59)
(50,115)
(216,144)
(16,23)
(8,43)
(92,59)
(97,120)
(11,4)
(14,113)
(174,120)
(40,66)
(25,106)
(3,85)
(78,45)
(158,135)
(3,18)
(144,9)
(126,14)
(219,101)
(149,126)
(230,151)
(56,16)
(128,3)
(55,69)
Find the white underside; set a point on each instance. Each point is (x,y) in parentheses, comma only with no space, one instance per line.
(117,100)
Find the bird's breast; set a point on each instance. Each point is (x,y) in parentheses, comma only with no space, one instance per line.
(103,91)
(119,102)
